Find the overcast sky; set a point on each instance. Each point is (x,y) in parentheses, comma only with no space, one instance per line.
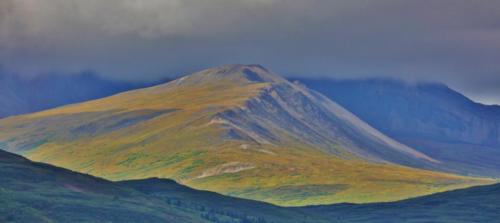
(456,42)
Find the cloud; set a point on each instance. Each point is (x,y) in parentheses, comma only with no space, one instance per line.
(452,41)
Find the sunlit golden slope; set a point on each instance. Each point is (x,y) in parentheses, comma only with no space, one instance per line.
(238,130)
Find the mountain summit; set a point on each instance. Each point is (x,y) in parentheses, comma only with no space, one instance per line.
(240,130)
(236,72)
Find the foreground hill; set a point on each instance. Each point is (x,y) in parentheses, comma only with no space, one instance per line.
(36,192)
(431,118)
(23,95)
(238,130)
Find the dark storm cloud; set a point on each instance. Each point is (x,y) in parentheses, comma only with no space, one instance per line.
(451,41)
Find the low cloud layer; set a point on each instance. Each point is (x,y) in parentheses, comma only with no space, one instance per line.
(452,41)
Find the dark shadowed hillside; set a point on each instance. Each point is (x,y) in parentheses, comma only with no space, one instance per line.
(431,118)
(476,204)
(37,192)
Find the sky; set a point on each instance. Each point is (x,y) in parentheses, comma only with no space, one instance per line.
(456,42)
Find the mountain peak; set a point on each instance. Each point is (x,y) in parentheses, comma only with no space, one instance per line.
(235,73)
(225,123)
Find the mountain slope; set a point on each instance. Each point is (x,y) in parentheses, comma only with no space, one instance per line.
(21,96)
(476,204)
(431,118)
(238,130)
(36,192)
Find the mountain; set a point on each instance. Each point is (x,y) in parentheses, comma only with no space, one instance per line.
(431,118)
(23,95)
(239,130)
(37,192)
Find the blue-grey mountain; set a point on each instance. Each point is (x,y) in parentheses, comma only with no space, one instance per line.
(429,117)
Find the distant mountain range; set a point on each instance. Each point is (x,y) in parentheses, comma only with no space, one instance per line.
(25,95)
(36,192)
(428,117)
(240,130)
